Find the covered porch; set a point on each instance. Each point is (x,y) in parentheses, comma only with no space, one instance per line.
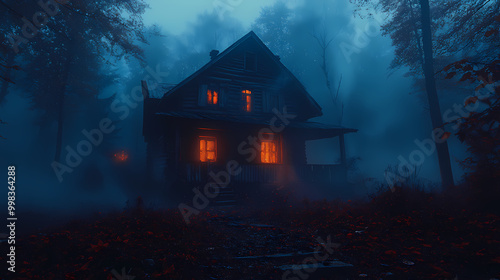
(293,170)
(272,174)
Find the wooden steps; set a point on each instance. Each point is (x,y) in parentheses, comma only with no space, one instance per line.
(226,198)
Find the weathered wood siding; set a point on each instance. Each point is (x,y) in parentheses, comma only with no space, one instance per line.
(230,75)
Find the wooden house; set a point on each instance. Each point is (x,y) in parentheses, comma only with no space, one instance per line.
(245,107)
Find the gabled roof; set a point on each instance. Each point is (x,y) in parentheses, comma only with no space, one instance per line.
(250,36)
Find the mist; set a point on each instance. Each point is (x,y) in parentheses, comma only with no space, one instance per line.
(383,105)
(234,139)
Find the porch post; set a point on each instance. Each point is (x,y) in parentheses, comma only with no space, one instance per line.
(343,160)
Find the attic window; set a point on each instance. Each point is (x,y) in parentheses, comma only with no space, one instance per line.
(208,149)
(212,97)
(247,98)
(250,61)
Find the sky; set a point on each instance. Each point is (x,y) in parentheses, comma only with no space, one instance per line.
(175,16)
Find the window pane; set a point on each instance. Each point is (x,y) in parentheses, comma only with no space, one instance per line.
(249,103)
(212,97)
(215,97)
(263,153)
(203,151)
(268,152)
(211,155)
(210,145)
(208,149)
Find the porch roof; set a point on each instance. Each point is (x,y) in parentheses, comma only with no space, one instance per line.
(313,130)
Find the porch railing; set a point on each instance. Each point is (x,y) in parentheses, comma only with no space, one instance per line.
(199,173)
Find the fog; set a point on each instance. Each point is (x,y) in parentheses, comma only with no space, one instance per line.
(385,106)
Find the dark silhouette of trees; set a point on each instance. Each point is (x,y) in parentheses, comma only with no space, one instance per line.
(274,27)
(472,30)
(306,42)
(412,36)
(430,86)
(64,60)
(480,128)
(11,13)
(445,32)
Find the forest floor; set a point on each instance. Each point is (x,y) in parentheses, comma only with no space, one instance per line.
(336,240)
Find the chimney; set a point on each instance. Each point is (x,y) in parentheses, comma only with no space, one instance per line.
(214,54)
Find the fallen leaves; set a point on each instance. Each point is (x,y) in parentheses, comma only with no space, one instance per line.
(423,244)
(390,252)
(445,136)
(99,246)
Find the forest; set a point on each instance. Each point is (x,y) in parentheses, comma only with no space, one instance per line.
(416,80)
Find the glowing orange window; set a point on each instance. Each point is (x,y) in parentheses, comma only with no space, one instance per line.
(269,152)
(247,97)
(212,97)
(208,149)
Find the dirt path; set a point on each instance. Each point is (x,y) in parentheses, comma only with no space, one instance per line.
(253,250)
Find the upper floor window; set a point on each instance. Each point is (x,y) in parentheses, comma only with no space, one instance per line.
(247,98)
(212,96)
(250,61)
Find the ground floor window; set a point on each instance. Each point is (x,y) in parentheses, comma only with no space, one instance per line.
(269,152)
(208,149)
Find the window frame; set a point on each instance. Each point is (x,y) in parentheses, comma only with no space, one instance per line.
(246,96)
(206,139)
(216,89)
(276,140)
(210,101)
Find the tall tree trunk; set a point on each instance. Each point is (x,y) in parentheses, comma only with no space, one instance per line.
(430,85)
(60,105)
(7,76)
(60,118)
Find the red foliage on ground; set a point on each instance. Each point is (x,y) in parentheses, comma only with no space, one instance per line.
(422,242)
